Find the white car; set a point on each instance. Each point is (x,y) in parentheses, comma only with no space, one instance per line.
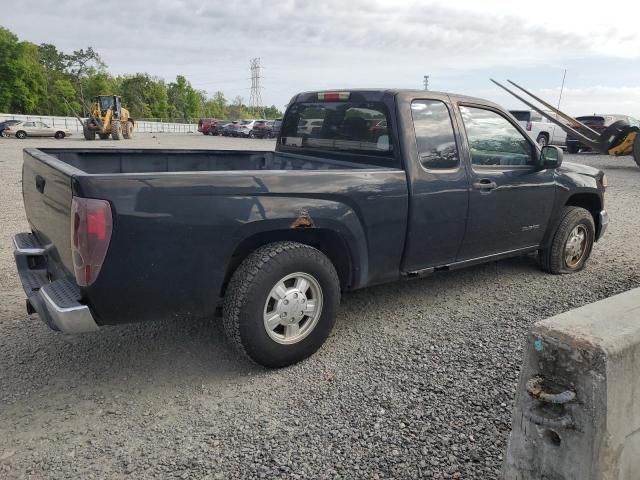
(36,129)
(539,128)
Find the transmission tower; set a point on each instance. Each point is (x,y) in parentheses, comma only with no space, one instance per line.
(426,82)
(255,100)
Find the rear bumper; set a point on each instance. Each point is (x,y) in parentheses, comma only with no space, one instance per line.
(603,223)
(56,302)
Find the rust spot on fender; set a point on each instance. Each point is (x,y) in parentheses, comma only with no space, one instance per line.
(304,220)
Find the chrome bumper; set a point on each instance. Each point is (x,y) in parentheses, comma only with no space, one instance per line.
(58,302)
(603,223)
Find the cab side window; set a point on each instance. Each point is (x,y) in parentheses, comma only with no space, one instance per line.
(435,140)
(494,141)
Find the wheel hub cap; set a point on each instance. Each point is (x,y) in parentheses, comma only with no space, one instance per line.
(293,308)
(576,246)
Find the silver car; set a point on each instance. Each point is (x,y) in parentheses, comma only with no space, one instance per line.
(35,129)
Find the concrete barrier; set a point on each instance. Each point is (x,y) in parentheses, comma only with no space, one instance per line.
(577,411)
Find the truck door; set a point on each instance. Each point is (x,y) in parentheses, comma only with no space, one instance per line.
(511,198)
(438,184)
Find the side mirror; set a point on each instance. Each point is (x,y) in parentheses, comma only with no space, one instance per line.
(551,156)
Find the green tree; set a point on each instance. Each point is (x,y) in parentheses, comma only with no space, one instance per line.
(81,65)
(184,101)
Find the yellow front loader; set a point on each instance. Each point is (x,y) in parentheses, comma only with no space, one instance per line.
(108,117)
(619,138)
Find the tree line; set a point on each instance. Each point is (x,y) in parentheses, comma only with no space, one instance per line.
(42,80)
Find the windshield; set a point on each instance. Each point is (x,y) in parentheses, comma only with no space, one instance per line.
(339,127)
(105,102)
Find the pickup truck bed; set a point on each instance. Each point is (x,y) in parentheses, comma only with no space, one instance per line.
(179,219)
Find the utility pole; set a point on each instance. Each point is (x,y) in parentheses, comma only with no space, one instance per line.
(426,82)
(255,100)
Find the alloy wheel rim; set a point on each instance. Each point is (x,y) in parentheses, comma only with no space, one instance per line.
(576,246)
(293,308)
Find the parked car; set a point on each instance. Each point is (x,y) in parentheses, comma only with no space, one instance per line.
(539,128)
(228,129)
(204,124)
(598,123)
(5,124)
(277,123)
(263,129)
(245,128)
(278,235)
(215,127)
(35,129)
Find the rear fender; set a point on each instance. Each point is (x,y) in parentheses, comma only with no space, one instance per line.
(310,221)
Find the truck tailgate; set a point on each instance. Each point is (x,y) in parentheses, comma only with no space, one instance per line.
(47,193)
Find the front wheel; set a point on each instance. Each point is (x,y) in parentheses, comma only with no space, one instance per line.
(636,149)
(21,134)
(281,303)
(571,244)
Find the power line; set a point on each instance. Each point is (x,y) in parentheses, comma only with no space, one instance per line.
(255,99)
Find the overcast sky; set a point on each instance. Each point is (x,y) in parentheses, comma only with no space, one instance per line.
(308,45)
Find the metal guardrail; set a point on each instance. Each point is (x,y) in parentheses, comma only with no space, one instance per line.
(73,124)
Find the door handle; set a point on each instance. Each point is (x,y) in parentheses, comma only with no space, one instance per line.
(40,182)
(485,184)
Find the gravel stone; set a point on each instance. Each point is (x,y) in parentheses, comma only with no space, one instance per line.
(417,380)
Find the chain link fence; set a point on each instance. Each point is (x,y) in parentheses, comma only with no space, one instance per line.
(72,123)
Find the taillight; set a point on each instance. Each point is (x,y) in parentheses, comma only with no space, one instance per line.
(91,225)
(529,126)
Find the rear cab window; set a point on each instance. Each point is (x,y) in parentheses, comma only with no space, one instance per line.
(435,138)
(341,125)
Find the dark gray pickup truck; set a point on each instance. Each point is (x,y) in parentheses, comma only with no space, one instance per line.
(364,187)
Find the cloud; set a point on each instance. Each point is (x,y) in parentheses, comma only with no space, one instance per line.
(307,45)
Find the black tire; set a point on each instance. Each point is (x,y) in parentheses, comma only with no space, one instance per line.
(87,132)
(116,130)
(59,135)
(127,130)
(104,136)
(21,134)
(573,148)
(543,140)
(553,259)
(249,290)
(636,149)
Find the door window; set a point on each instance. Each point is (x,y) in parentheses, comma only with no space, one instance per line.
(435,140)
(494,141)
(29,124)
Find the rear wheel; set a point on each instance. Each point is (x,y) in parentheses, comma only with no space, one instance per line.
(571,244)
(636,149)
(21,134)
(573,148)
(59,135)
(87,132)
(116,130)
(127,130)
(280,305)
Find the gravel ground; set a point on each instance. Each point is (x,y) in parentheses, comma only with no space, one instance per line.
(417,380)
